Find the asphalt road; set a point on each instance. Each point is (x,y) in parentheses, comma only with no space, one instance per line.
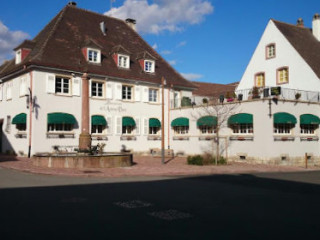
(245,206)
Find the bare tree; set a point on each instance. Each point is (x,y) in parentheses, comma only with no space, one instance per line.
(221,112)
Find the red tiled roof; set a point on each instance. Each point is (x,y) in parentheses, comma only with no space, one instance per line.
(59,45)
(304,42)
(213,89)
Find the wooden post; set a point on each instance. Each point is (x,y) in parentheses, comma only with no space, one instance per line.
(306,159)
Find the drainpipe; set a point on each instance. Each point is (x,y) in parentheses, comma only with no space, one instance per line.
(30,115)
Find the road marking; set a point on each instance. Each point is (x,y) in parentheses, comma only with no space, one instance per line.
(170,215)
(133,204)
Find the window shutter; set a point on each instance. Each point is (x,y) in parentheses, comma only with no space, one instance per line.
(137,126)
(109,128)
(23,86)
(118,125)
(109,91)
(9,90)
(76,83)
(137,93)
(159,95)
(90,82)
(145,126)
(1,92)
(51,79)
(118,91)
(145,94)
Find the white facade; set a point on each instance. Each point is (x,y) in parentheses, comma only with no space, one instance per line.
(111,106)
(301,76)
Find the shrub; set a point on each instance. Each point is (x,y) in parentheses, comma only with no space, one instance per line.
(205,159)
(195,160)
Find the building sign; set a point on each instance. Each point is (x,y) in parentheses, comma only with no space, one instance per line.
(113,107)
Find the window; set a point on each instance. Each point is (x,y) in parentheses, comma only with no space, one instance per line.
(127,129)
(97,89)
(126,92)
(282,128)
(18,56)
(123,61)
(149,66)
(271,51)
(21,127)
(259,80)
(154,130)
(60,127)
(98,129)
(153,95)
(308,129)
(207,130)
(243,128)
(93,55)
(62,85)
(181,130)
(282,75)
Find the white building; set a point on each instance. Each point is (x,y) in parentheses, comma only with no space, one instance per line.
(267,120)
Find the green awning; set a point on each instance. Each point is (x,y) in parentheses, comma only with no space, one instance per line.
(98,120)
(309,119)
(60,118)
(241,118)
(20,119)
(207,121)
(284,118)
(180,122)
(128,122)
(154,122)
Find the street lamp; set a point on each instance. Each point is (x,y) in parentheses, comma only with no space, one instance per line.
(163,82)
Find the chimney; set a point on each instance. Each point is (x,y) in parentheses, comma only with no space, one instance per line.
(131,23)
(300,22)
(73,4)
(316,26)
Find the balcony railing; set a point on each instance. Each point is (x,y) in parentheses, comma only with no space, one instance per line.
(281,93)
(248,94)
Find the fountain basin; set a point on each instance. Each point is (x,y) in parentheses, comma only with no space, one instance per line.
(77,160)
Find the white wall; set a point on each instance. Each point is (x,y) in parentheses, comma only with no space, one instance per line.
(263,146)
(301,76)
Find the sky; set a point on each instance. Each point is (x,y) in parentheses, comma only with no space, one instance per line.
(204,40)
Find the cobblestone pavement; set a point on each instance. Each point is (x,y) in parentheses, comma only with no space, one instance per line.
(147,166)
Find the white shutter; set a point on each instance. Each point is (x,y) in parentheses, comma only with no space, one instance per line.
(1,92)
(137,126)
(109,128)
(51,79)
(109,91)
(9,90)
(160,96)
(23,86)
(90,82)
(137,94)
(118,125)
(145,94)
(76,84)
(145,126)
(118,91)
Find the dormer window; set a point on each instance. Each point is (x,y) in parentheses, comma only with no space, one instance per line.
(149,66)
(270,51)
(94,55)
(18,56)
(123,61)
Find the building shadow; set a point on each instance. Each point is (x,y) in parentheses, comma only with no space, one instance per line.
(207,207)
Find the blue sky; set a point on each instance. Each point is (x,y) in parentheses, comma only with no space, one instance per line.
(205,40)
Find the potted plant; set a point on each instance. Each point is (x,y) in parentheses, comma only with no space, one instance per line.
(255,92)
(297,95)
